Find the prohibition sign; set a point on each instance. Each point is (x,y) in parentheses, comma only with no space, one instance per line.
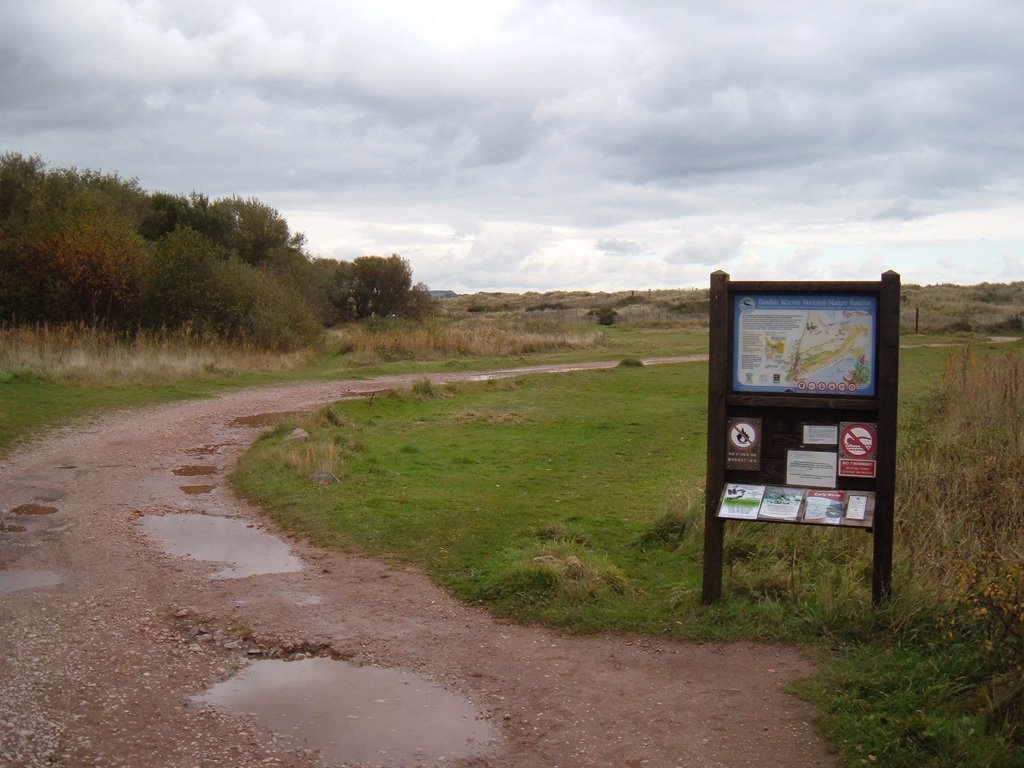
(859,441)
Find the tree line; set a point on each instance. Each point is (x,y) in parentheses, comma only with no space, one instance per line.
(79,246)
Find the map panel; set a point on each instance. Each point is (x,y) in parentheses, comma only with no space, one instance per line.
(812,344)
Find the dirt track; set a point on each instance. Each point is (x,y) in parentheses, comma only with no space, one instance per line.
(98,669)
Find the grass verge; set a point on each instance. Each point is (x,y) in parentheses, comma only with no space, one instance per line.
(575,500)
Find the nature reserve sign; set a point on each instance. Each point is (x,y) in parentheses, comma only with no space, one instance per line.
(802,388)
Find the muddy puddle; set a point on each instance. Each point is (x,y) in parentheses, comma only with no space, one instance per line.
(33,509)
(207,450)
(194,490)
(192,470)
(26,578)
(240,548)
(359,714)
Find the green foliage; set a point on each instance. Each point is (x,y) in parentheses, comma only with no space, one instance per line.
(382,287)
(80,246)
(185,287)
(906,706)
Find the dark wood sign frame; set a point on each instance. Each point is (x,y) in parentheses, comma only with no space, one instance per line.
(782,413)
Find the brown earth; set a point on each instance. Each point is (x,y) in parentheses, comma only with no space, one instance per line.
(98,669)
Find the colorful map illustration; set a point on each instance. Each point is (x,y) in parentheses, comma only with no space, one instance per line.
(809,344)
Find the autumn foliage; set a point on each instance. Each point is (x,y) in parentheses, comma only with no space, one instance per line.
(86,247)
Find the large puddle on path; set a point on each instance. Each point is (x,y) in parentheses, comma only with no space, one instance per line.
(362,714)
(25,578)
(245,551)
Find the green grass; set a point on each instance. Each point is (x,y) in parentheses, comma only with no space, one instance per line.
(575,500)
(29,403)
(526,476)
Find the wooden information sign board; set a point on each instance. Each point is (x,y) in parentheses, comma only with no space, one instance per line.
(802,399)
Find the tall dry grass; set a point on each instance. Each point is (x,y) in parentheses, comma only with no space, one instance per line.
(95,355)
(480,337)
(960,519)
(961,467)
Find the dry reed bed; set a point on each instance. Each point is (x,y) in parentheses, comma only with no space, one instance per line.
(961,518)
(477,338)
(962,468)
(95,355)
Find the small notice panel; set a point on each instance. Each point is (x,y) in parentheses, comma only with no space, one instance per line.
(858,440)
(857,468)
(821,434)
(816,469)
(741,501)
(743,444)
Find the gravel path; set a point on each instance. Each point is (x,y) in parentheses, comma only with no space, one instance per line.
(106,638)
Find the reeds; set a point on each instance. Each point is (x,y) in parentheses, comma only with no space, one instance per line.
(93,354)
(484,337)
(961,469)
(961,519)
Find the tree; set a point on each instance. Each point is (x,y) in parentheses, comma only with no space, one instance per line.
(255,231)
(330,291)
(184,285)
(380,286)
(20,181)
(97,265)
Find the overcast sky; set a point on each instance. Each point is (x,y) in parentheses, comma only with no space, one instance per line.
(598,145)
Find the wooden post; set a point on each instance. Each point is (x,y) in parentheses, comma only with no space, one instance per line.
(714,527)
(888,385)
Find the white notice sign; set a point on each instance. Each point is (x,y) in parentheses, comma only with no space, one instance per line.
(821,434)
(815,469)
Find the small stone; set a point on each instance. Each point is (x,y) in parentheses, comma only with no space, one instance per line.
(323,478)
(297,434)
(181,613)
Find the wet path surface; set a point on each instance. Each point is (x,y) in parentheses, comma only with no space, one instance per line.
(128,639)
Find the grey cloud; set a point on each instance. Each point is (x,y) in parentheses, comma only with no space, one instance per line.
(615,246)
(902,210)
(589,113)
